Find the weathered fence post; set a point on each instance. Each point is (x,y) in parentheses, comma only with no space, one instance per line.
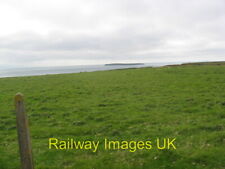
(23,133)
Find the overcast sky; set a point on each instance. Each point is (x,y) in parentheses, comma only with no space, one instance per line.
(78,32)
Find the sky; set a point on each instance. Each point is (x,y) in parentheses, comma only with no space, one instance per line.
(84,32)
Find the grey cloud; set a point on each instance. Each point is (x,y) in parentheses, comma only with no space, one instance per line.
(103,31)
(122,41)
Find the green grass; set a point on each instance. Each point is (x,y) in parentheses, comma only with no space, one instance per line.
(186,102)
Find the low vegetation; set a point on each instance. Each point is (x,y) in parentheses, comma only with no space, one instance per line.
(183,102)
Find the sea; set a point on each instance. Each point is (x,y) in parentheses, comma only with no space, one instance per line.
(35,71)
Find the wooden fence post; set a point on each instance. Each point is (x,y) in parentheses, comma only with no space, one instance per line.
(23,133)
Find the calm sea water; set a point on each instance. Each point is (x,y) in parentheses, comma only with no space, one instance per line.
(33,71)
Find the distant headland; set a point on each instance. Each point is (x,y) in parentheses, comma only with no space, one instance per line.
(122,64)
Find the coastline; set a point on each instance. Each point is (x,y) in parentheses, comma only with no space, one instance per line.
(42,71)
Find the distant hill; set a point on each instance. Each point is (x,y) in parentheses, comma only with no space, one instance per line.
(216,63)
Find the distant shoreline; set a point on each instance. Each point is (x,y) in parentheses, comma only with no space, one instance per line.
(39,71)
(123,64)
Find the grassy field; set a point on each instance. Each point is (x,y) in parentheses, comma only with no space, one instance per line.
(183,102)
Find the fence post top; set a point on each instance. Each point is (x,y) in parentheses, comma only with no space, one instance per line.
(19,97)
